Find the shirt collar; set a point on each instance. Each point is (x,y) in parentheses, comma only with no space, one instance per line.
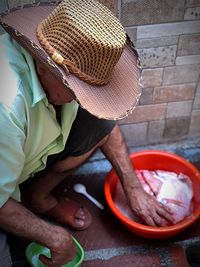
(38,92)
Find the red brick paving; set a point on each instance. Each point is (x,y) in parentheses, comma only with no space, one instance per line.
(107,243)
(178,256)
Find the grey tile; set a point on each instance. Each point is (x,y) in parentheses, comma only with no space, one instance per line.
(135,134)
(168,29)
(156,130)
(146,96)
(157,42)
(179,109)
(188,60)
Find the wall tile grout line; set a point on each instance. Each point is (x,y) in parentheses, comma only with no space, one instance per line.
(108,253)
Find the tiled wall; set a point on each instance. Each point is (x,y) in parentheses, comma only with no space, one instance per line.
(167,36)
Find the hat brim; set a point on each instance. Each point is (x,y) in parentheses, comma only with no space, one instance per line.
(114,100)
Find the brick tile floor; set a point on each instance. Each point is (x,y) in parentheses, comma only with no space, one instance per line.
(108,244)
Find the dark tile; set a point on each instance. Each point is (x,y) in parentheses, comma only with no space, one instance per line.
(189,45)
(17,249)
(178,255)
(176,127)
(197,164)
(3,5)
(111,4)
(151,11)
(193,255)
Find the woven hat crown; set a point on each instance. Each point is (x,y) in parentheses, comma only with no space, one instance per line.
(85,37)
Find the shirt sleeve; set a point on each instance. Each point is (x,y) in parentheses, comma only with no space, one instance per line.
(12,138)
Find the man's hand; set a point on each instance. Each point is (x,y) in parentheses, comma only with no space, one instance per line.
(148,208)
(18,220)
(144,205)
(62,249)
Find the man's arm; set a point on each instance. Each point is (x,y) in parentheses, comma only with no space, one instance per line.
(15,218)
(144,205)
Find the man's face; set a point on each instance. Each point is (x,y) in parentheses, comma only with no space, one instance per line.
(56,92)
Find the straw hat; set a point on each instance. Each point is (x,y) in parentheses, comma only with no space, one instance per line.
(85,46)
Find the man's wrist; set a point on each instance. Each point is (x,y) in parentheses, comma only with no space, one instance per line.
(131,181)
(58,238)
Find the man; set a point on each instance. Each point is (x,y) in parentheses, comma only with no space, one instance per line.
(80,55)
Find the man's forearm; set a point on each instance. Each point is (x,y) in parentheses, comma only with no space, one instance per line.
(116,152)
(16,219)
(144,205)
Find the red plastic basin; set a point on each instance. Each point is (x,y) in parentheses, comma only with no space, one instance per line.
(151,160)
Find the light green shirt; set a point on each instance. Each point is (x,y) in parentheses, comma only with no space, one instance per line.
(29,131)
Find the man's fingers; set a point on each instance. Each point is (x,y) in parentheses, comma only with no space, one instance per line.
(149,221)
(148,218)
(157,216)
(46,261)
(57,259)
(159,221)
(163,212)
(167,209)
(152,212)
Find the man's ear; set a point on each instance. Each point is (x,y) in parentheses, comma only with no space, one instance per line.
(39,68)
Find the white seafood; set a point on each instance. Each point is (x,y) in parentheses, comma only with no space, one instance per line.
(171,189)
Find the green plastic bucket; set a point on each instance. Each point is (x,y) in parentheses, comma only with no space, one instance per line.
(34,250)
